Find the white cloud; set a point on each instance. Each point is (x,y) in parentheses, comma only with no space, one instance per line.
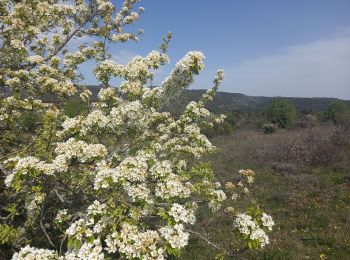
(123,56)
(316,69)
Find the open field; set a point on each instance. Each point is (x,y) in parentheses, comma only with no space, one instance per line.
(308,199)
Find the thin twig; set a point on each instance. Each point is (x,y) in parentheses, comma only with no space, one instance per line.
(43,228)
(3,170)
(209,242)
(61,244)
(59,196)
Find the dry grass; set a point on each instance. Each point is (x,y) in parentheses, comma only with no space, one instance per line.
(314,146)
(308,198)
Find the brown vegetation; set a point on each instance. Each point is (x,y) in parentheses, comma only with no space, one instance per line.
(302,180)
(322,145)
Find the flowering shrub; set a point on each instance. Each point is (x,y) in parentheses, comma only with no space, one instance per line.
(118,180)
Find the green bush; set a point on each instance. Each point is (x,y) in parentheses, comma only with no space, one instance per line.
(337,112)
(224,128)
(281,112)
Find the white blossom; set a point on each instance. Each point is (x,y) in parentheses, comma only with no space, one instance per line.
(61,215)
(27,253)
(180,213)
(267,221)
(176,236)
(259,235)
(134,243)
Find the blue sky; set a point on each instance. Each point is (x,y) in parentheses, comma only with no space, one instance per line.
(270,48)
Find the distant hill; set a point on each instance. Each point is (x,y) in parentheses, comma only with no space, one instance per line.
(225,102)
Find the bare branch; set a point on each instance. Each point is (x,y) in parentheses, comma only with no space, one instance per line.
(210,243)
(43,228)
(59,196)
(3,170)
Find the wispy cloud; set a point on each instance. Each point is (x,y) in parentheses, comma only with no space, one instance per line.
(316,69)
(123,56)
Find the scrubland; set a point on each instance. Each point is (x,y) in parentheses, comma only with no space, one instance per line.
(303,180)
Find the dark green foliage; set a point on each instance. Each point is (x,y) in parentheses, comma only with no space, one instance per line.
(224,128)
(29,120)
(74,107)
(337,112)
(281,112)
(231,118)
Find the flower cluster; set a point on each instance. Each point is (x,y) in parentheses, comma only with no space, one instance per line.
(61,216)
(248,175)
(106,93)
(181,213)
(182,75)
(267,221)
(131,18)
(96,208)
(79,229)
(73,148)
(172,186)
(218,197)
(133,243)
(250,228)
(28,252)
(65,152)
(88,250)
(35,202)
(175,236)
